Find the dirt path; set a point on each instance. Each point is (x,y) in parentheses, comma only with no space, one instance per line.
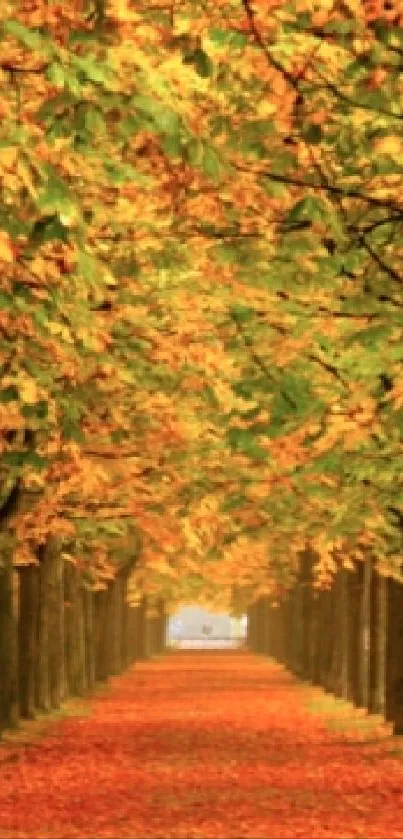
(205,745)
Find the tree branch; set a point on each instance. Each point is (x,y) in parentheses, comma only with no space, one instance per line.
(259,361)
(332,189)
(263,46)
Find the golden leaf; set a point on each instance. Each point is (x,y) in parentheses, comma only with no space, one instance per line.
(6,250)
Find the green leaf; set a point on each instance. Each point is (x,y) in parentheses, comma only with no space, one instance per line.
(172,145)
(309,208)
(6,301)
(230,37)
(313,133)
(18,459)
(55,200)
(39,411)
(125,173)
(55,74)
(242,313)
(195,152)
(238,40)
(340,27)
(242,440)
(356,68)
(233,502)
(94,71)
(165,119)
(211,163)
(8,394)
(370,337)
(202,63)
(12,224)
(225,254)
(47,229)
(31,38)
(219,36)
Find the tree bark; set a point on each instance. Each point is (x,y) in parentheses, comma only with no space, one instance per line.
(365,635)
(9,715)
(124,640)
(306,617)
(345,629)
(101,636)
(251,628)
(27,639)
(262,613)
(89,630)
(325,638)
(378,643)
(43,700)
(286,629)
(143,648)
(55,593)
(74,629)
(336,671)
(161,627)
(394,655)
(114,621)
(354,612)
(135,631)
(156,628)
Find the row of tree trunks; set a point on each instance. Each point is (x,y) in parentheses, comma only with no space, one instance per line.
(347,638)
(59,637)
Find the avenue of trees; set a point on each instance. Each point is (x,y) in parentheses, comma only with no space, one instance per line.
(201,319)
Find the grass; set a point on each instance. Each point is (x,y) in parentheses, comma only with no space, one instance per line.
(30,730)
(341,715)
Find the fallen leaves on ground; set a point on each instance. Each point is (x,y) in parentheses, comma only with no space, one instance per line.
(196,745)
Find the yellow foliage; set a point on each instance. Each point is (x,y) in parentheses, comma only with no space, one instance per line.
(6,250)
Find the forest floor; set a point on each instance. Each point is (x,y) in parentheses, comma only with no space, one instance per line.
(198,745)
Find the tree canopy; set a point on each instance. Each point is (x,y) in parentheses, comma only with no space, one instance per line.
(201,307)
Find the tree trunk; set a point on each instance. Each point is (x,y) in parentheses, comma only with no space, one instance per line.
(394,655)
(53,557)
(49,675)
(291,629)
(251,629)
(161,627)
(42,663)
(354,612)
(345,629)
(114,619)
(306,594)
(299,594)
(326,638)
(80,676)
(8,644)
(27,639)
(287,630)
(135,630)
(89,630)
(124,641)
(365,635)
(156,628)
(336,672)
(74,629)
(281,633)
(101,636)
(143,631)
(378,643)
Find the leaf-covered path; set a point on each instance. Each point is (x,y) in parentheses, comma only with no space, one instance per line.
(203,745)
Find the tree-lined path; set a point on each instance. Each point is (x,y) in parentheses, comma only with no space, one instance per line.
(201,402)
(203,745)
